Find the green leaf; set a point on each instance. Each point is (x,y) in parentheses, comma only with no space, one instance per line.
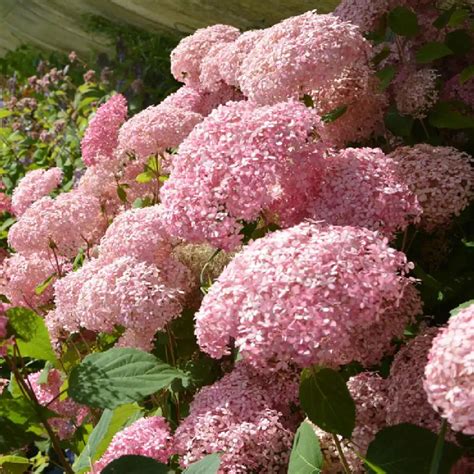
(466,74)
(445,115)
(306,456)
(403,22)
(122,193)
(458,17)
(134,464)
(13,464)
(14,436)
(21,412)
(4,113)
(432,51)
(40,289)
(110,423)
(398,124)
(386,76)
(409,449)
(308,101)
(327,402)
(207,465)
(32,335)
(144,177)
(118,376)
(443,19)
(456,310)
(459,42)
(438,453)
(334,114)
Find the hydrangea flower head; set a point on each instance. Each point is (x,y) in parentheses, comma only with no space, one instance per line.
(33,186)
(300,55)
(240,162)
(240,416)
(100,137)
(187,57)
(361,187)
(306,295)
(449,373)
(441,177)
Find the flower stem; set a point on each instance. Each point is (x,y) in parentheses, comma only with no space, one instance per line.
(343,459)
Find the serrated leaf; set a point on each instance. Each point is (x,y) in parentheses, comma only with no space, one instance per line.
(119,376)
(134,464)
(466,74)
(306,456)
(403,22)
(386,76)
(432,51)
(409,449)
(32,335)
(327,402)
(207,465)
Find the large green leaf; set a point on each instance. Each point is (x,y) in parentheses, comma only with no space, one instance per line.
(119,376)
(207,465)
(409,449)
(403,22)
(327,402)
(13,436)
(446,115)
(398,124)
(31,334)
(133,464)
(110,423)
(432,51)
(306,456)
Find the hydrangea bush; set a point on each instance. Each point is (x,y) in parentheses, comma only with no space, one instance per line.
(268,271)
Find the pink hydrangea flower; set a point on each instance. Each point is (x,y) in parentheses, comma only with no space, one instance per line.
(139,296)
(5,202)
(240,162)
(33,186)
(100,138)
(361,187)
(67,223)
(416,92)
(22,275)
(453,89)
(155,129)
(72,414)
(441,177)
(3,327)
(145,437)
(240,416)
(449,373)
(366,14)
(407,401)
(301,55)
(308,294)
(187,57)
(137,233)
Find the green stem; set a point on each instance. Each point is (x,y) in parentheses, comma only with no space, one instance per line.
(438,452)
(344,462)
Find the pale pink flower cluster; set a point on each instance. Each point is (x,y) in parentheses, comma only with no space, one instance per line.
(308,294)
(240,416)
(366,14)
(240,162)
(416,92)
(134,283)
(33,186)
(449,373)
(441,177)
(100,138)
(407,401)
(149,437)
(361,187)
(454,89)
(155,129)
(5,200)
(22,274)
(72,414)
(64,224)
(187,57)
(300,55)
